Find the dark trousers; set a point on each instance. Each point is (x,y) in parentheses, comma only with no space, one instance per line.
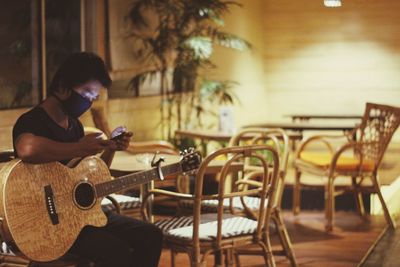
(123,242)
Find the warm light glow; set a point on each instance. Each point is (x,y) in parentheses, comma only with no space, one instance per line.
(332,3)
(331,77)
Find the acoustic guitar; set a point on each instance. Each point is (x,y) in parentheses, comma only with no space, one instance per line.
(43,207)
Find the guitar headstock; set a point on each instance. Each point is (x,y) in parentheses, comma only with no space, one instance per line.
(191,160)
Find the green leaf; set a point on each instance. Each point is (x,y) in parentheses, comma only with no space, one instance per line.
(231,41)
(218,91)
(201,46)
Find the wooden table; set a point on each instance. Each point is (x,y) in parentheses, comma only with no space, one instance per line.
(306,117)
(205,136)
(125,163)
(346,127)
(128,162)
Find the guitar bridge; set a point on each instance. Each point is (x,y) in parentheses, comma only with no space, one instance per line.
(51,207)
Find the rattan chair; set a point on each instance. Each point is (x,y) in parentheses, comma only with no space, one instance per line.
(280,141)
(248,205)
(358,158)
(222,232)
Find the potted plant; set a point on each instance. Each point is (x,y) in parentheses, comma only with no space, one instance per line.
(178,37)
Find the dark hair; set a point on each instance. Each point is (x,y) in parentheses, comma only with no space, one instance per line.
(77,69)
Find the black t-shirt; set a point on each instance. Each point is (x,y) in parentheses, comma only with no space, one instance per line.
(38,122)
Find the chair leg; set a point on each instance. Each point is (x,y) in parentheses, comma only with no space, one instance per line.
(329,204)
(195,261)
(229,258)
(267,253)
(296,193)
(358,197)
(386,212)
(218,258)
(183,183)
(237,258)
(284,237)
(173,254)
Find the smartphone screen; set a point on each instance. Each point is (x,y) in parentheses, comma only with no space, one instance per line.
(118,136)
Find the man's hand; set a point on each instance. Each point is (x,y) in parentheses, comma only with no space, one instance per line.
(92,144)
(120,139)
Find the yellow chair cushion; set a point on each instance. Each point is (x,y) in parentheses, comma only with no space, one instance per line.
(344,163)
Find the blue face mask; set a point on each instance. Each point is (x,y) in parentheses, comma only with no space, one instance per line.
(75,105)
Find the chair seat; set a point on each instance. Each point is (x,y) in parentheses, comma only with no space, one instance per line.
(182,227)
(344,163)
(125,202)
(174,223)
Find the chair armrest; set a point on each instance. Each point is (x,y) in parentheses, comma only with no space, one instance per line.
(115,203)
(249,182)
(323,139)
(162,192)
(356,147)
(248,179)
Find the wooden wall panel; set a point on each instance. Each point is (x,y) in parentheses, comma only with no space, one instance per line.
(306,58)
(330,60)
(7,120)
(140,115)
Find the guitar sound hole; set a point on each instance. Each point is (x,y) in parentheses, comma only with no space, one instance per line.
(84,195)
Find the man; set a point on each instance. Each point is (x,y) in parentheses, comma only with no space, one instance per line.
(52,131)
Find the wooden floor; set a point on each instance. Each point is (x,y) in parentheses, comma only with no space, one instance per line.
(386,253)
(345,246)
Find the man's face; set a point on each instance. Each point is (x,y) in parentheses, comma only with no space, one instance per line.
(89,90)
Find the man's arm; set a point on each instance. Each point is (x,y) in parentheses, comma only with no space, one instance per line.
(37,149)
(108,156)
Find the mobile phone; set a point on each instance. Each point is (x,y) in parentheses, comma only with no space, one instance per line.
(119,136)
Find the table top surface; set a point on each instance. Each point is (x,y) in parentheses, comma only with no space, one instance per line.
(205,134)
(216,135)
(323,116)
(344,126)
(125,161)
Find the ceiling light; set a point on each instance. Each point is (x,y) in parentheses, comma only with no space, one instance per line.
(332,3)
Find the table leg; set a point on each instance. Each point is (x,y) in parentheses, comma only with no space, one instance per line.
(144,190)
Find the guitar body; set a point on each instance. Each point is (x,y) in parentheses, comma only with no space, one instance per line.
(45,206)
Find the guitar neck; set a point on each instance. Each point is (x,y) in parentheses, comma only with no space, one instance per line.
(131,180)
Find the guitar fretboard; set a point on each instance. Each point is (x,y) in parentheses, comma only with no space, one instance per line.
(131,180)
